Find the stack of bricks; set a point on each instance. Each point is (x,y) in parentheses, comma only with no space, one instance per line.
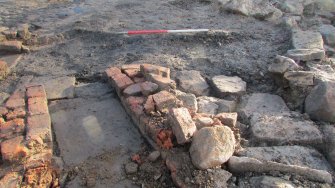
(146,92)
(26,140)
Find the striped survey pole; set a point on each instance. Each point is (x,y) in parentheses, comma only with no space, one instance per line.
(147,32)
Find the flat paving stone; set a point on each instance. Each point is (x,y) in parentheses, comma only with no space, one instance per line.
(57,87)
(289,155)
(86,128)
(95,89)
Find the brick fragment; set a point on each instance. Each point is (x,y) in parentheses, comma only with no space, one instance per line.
(38,130)
(13,103)
(11,128)
(155,69)
(162,82)
(11,180)
(11,46)
(121,81)
(4,70)
(36,91)
(112,72)
(164,100)
(135,100)
(16,113)
(37,105)
(3,111)
(149,105)
(132,73)
(13,149)
(228,119)
(182,124)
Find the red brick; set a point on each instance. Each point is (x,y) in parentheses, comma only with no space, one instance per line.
(154,69)
(18,94)
(121,81)
(11,180)
(38,129)
(164,100)
(37,105)
(164,139)
(135,100)
(3,111)
(13,149)
(149,105)
(40,177)
(137,110)
(131,66)
(13,103)
(132,73)
(148,88)
(228,119)
(134,89)
(11,46)
(16,113)
(112,72)
(12,128)
(36,91)
(3,70)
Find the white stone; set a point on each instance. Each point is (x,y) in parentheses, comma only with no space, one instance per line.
(189,100)
(212,146)
(182,124)
(226,85)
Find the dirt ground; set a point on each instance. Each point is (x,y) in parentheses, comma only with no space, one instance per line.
(89,47)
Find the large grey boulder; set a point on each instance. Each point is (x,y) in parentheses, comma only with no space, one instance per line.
(212,146)
(283,129)
(212,105)
(192,82)
(320,103)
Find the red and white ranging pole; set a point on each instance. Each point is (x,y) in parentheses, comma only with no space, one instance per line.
(146,32)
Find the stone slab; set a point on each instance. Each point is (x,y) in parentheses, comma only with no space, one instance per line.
(57,87)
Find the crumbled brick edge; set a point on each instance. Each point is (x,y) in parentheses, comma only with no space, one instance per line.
(26,140)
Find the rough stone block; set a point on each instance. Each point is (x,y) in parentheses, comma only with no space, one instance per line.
(228,119)
(226,85)
(164,100)
(182,124)
(192,82)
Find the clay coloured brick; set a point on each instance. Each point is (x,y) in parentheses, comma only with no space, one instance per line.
(1,120)
(149,105)
(40,177)
(121,81)
(37,105)
(16,113)
(38,129)
(131,66)
(11,128)
(112,72)
(228,119)
(164,100)
(182,124)
(36,91)
(135,100)
(162,82)
(137,110)
(13,149)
